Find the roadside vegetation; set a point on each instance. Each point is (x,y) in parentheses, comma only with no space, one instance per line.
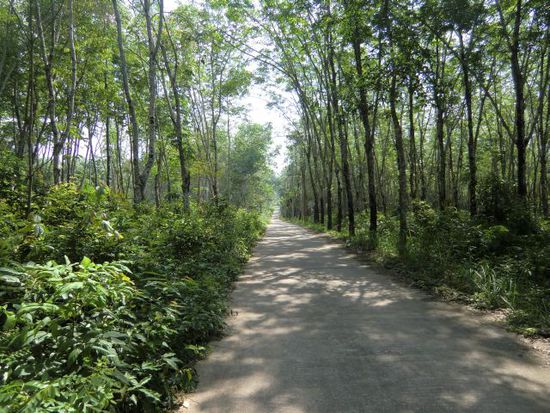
(478,262)
(132,189)
(423,139)
(107,307)
(133,185)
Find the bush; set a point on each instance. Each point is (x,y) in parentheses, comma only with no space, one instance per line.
(11,189)
(119,336)
(496,238)
(65,331)
(441,238)
(10,225)
(71,223)
(499,204)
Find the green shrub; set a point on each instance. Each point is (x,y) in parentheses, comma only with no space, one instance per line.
(496,238)
(12,191)
(63,333)
(120,336)
(73,223)
(441,238)
(387,234)
(10,225)
(500,204)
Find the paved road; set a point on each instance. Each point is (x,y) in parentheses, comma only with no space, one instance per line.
(316,331)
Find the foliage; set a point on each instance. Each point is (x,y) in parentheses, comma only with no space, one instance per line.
(73,223)
(66,335)
(122,335)
(500,204)
(9,224)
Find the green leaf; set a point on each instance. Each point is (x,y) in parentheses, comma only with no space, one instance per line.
(10,280)
(85,263)
(73,355)
(10,321)
(76,285)
(36,338)
(171,360)
(117,374)
(33,307)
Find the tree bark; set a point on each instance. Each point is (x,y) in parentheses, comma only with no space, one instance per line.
(176,116)
(472,163)
(47,57)
(401,167)
(153,47)
(134,131)
(343,146)
(108,150)
(518,79)
(120,180)
(369,139)
(440,134)
(413,180)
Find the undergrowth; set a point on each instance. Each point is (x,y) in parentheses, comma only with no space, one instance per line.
(493,264)
(106,308)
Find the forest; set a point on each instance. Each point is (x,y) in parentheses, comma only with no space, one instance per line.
(422,141)
(133,184)
(132,188)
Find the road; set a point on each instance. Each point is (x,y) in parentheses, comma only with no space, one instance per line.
(314,330)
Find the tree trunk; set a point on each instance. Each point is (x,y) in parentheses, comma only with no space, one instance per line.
(472,183)
(304,191)
(543,134)
(134,131)
(518,79)
(440,139)
(412,143)
(108,150)
(178,124)
(153,46)
(47,59)
(369,139)
(343,146)
(313,189)
(439,74)
(120,179)
(332,148)
(401,167)
(339,212)
(71,94)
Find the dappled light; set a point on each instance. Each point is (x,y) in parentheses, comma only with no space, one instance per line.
(321,332)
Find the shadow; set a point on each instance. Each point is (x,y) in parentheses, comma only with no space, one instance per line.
(318,331)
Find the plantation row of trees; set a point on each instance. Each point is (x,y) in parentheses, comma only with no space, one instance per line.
(413,100)
(132,189)
(423,138)
(128,96)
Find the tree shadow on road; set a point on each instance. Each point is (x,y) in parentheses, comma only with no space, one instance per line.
(318,331)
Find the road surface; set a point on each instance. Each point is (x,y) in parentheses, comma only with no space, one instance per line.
(314,330)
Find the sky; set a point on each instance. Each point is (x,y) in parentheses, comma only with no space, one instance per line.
(258,110)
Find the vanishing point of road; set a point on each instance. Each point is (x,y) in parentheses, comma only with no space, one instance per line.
(314,330)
